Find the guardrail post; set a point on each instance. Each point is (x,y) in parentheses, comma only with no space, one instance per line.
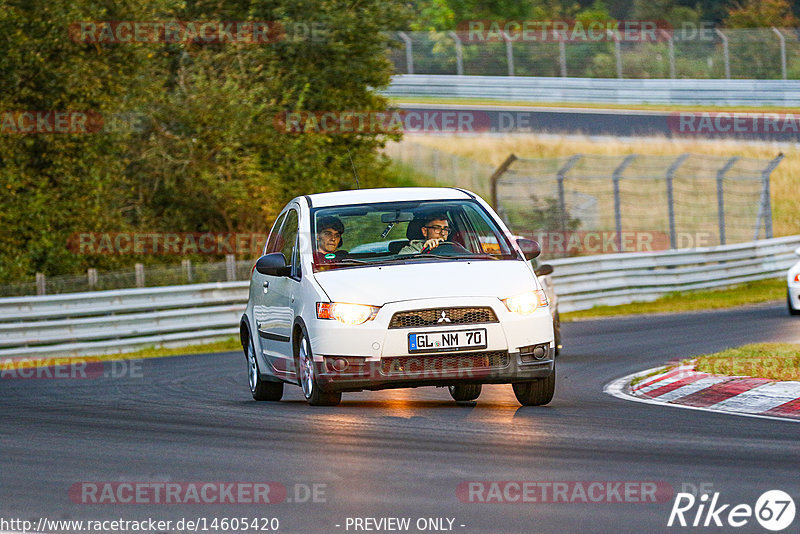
(230,267)
(409,52)
(496,178)
(91,276)
(187,270)
(139,275)
(765,204)
(562,200)
(435,158)
(509,54)
(562,56)
(617,204)
(670,198)
(783,51)
(721,197)
(671,48)
(617,53)
(725,53)
(459,53)
(41,284)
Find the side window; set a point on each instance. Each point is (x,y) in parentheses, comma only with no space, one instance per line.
(272,242)
(288,236)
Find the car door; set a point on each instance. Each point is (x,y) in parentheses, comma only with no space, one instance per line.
(275,315)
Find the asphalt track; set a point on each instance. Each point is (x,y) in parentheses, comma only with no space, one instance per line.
(402,453)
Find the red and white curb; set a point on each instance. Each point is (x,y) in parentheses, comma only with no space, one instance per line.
(683,387)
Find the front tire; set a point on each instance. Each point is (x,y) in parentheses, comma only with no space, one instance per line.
(464,392)
(536,392)
(307,376)
(262,390)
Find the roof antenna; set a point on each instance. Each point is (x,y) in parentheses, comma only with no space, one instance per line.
(358,186)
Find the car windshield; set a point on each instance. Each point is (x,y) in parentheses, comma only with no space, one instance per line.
(397,232)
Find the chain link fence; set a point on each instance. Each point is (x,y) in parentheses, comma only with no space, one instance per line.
(762,53)
(590,204)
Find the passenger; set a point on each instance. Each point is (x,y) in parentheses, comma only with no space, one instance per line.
(329,239)
(435,230)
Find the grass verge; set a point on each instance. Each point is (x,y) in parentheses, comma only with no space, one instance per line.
(226,345)
(684,301)
(774,361)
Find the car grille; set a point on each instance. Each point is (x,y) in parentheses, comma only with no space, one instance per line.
(433,317)
(421,364)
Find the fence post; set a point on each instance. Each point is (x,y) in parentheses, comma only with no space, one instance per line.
(562,200)
(435,164)
(187,270)
(617,53)
(670,198)
(721,197)
(765,204)
(725,53)
(615,176)
(783,51)
(230,267)
(671,48)
(41,284)
(459,53)
(496,177)
(562,56)
(91,276)
(409,52)
(509,54)
(139,275)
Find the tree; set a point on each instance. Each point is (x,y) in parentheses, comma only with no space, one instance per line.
(761,14)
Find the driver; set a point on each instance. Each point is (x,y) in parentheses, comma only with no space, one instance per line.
(435,230)
(329,239)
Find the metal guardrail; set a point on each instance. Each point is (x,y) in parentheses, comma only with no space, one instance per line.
(603,90)
(82,324)
(612,279)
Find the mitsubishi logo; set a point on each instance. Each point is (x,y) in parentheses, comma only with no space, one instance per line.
(444,318)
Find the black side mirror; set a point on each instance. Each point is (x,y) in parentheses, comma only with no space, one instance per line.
(273,264)
(544,270)
(529,247)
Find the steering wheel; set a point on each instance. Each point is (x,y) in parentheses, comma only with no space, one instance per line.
(447,247)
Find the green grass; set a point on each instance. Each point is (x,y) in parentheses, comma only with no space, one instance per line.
(739,295)
(585,105)
(775,361)
(226,345)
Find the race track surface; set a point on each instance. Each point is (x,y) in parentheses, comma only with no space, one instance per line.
(402,453)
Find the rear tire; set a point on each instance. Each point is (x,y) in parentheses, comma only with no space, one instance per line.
(792,311)
(536,392)
(262,390)
(465,392)
(307,376)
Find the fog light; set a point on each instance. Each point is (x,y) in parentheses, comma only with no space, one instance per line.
(534,352)
(339,364)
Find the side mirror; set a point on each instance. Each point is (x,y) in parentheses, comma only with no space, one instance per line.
(273,264)
(544,270)
(529,247)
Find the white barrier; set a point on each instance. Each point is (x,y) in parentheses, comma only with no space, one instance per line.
(125,320)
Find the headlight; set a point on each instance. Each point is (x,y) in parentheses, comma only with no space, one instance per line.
(797,277)
(526,303)
(350,314)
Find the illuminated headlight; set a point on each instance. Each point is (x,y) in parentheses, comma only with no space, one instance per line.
(526,303)
(349,314)
(797,277)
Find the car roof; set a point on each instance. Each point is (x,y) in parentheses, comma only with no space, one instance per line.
(388,194)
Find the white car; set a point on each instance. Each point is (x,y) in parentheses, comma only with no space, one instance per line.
(793,288)
(395,312)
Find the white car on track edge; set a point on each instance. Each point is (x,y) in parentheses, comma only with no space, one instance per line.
(351,294)
(793,287)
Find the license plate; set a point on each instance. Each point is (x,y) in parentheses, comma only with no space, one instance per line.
(450,340)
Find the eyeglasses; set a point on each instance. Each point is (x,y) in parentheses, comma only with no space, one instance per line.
(439,229)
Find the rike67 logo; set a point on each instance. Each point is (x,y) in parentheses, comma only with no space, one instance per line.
(774,510)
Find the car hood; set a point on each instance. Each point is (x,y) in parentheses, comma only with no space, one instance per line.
(448,278)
